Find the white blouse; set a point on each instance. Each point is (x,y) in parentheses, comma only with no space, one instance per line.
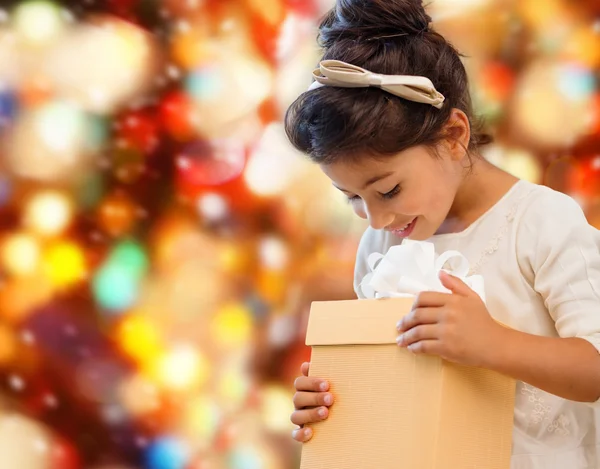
(541,263)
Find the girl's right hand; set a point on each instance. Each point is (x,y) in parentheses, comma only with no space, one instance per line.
(311,402)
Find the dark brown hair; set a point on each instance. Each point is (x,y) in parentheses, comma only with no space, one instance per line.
(391,37)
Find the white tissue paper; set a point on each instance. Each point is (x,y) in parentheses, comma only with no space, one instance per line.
(413,267)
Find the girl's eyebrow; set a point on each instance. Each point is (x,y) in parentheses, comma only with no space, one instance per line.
(373,180)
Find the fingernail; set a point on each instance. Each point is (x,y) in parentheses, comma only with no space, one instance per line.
(328,399)
(295,433)
(322,412)
(399,340)
(399,324)
(323,386)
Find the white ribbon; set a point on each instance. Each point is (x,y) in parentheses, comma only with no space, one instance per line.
(413,88)
(413,267)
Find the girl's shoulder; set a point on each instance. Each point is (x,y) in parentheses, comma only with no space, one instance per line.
(551,229)
(542,207)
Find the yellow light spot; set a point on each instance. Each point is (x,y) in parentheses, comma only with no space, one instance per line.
(65,264)
(584,47)
(20,254)
(232,326)
(139,338)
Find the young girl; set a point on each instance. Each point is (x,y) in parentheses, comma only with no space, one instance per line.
(389,121)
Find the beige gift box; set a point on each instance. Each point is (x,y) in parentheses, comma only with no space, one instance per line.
(397,410)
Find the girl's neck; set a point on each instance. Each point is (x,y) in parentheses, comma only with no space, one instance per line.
(481,189)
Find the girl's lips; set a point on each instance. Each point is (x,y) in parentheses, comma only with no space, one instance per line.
(405,232)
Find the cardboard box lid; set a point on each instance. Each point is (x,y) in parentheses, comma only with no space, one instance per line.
(356,322)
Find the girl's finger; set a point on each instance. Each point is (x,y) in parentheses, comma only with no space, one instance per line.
(430,299)
(302,417)
(312,399)
(426,347)
(305,383)
(419,317)
(417,334)
(302,434)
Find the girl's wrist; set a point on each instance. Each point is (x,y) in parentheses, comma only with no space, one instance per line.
(497,349)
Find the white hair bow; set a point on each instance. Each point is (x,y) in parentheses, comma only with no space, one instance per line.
(341,74)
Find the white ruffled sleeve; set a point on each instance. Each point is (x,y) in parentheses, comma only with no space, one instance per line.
(565,262)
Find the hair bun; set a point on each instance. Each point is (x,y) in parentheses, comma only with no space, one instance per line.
(369,19)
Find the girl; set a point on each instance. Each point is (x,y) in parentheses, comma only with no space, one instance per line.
(389,121)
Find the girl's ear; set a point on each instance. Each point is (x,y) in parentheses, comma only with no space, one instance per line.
(458,134)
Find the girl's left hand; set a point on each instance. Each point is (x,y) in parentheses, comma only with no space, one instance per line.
(456,326)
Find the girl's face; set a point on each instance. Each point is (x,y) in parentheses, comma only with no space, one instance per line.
(410,194)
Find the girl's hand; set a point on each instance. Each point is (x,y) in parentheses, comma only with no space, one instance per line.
(311,402)
(456,327)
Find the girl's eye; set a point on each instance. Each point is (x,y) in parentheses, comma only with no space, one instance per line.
(388,195)
(391,194)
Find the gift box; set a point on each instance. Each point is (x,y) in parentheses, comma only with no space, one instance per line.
(394,409)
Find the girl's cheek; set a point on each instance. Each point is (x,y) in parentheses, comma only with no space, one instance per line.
(408,207)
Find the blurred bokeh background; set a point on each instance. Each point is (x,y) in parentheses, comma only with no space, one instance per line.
(160,242)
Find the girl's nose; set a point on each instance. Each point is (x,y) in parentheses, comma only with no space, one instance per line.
(377,219)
